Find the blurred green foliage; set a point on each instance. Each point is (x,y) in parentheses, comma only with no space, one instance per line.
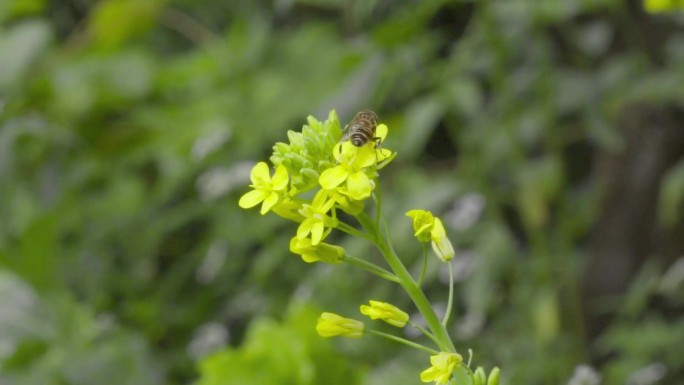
(128,129)
(272,353)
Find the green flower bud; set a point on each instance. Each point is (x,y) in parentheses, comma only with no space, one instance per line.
(386,312)
(296,139)
(309,150)
(480,378)
(310,173)
(333,325)
(494,377)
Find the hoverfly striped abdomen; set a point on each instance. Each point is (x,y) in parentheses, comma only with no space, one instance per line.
(361,129)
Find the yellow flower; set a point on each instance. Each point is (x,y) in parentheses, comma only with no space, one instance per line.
(316,219)
(440,243)
(423,222)
(384,156)
(429,228)
(443,364)
(332,325)
(348,205)
(322,252)
(386,312)
(352,161)
(356,168)
(266,189)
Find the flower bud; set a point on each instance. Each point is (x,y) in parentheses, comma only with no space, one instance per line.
(494,377)
(423,221)
(333,325)
(480,378)
(440,243)
(322,252)
(386,312)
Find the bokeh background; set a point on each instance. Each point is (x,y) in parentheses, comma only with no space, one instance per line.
(548,134)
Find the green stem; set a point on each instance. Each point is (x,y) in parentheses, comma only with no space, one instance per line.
(450,303)
(378,202)
(351,231)
(403,341)
(407,282)
(370,267)
(428,335)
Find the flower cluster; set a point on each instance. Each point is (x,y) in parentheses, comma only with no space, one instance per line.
(309,180)
(315,159)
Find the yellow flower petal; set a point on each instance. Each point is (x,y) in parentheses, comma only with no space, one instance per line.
(365,156)
(443,365)
(310,257)
(337,151)
(269,202)
(252,198)
(317,232)
(325,207)
(280,178)
(305,228)
(359,186)
(423,222)
(385,156)
(333,177)
(260,174)
(348,150)
(428,375)
(381,132)
(319,201)
(296,245)
(441,244)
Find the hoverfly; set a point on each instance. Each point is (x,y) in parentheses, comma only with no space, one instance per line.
(361,129)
